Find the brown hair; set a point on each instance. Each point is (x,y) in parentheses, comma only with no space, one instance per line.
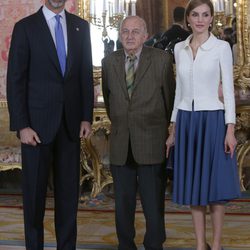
(192,4)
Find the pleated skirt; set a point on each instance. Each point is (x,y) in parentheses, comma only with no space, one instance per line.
(203,173)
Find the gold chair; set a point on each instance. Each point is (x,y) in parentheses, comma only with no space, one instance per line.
(95,154)
(243,147)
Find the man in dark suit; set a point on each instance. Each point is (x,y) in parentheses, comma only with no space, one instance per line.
(138,89)
(176,33)
(50,99)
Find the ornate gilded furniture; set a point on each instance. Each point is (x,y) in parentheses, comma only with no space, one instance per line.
(95,154)
(243,147)
(95,149)
(10,152)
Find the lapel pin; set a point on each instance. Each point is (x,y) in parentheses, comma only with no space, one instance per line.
(77,29)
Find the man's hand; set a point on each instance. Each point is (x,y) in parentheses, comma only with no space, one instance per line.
(29,136)
(85,129)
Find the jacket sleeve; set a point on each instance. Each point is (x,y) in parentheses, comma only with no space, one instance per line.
(105,89)
(87,79)
(177,88)
(169,85)
(17,78)
(226,65)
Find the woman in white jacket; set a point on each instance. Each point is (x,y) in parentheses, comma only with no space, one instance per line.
(205,169)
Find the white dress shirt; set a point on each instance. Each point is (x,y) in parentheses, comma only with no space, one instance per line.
(51,21)
(197,80)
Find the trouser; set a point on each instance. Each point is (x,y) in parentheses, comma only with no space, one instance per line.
(64,155)
(150,182)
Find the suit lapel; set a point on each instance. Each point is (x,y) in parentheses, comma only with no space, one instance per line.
(47,40)
(70,35)
(143,65)
(119,67)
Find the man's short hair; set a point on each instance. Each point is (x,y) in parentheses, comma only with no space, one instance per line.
(179,14)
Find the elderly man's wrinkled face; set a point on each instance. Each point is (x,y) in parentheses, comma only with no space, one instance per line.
(133,34)
(56,4)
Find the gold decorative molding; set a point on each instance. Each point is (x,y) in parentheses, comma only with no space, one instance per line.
(243,44)
(243,117)
(9,166)
(243,137)
(8,140)
(83,9)
(92,167)
(3,104)
(97,71)
(242,151)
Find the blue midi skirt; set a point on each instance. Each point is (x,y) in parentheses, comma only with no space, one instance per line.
(203,173)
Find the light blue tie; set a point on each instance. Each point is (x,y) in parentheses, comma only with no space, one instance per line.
(60,45)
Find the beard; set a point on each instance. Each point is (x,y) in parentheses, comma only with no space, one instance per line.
(57,4)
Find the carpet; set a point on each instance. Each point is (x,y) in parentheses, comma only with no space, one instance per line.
(97,229)
(96,226)
(105,203)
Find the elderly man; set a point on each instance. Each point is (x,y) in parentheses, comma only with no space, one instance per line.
(138,89)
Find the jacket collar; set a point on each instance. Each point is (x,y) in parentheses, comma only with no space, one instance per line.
(145,61)
(209,44)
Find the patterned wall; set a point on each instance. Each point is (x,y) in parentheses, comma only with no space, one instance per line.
(10,12)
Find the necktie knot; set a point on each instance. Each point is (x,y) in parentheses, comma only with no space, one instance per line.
(132,58)
(57,17)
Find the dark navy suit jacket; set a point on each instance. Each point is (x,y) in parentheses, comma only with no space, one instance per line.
(37,92)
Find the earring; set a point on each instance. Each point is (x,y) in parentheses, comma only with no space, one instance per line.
(210,25)
(189,25)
